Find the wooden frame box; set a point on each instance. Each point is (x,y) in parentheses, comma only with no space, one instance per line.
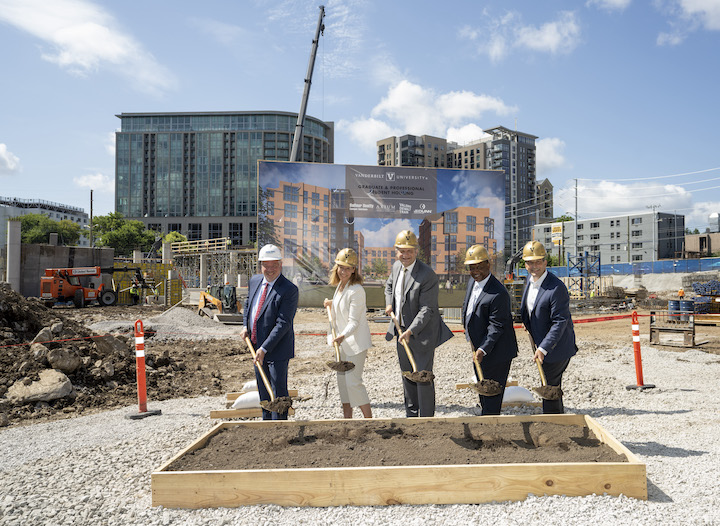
(383,485)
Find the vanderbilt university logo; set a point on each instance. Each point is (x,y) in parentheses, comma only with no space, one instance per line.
(390,176)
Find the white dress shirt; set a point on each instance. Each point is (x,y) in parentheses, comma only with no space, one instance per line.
(532,295)
(478,287)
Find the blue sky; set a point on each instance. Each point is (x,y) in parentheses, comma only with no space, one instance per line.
(621,93)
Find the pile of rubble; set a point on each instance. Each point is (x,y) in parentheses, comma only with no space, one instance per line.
(50,364)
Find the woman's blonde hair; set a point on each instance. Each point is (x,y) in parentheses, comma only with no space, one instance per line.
(355,279)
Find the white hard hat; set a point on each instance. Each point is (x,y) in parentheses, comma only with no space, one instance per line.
(269,253)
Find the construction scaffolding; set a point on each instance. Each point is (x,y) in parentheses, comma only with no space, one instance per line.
(211,262)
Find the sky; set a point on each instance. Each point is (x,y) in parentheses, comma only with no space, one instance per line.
(622,94)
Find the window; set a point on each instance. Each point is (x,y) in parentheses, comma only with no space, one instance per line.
(637,245)
(450,243)
(580,226)
(290,210)
(595,248)
(315,199)
(612,235)
(291,193)
(637,258)
(595,224)
(451,222)
(581,237)
(471,223)
(469,241)
(290,228)
(636,233)
(594,236)
(636,221)
(235,233)
(194,231)
(214,230)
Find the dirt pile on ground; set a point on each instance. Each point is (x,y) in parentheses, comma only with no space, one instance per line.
(88,371)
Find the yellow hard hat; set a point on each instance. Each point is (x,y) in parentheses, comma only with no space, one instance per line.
(476,254)
(347,257)
(406,239)
(534,250)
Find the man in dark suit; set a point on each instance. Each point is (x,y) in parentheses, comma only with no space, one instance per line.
(268,320)
(545,311)
(411,292)
(488,325)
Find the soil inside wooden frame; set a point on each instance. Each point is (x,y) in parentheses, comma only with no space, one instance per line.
(365,443)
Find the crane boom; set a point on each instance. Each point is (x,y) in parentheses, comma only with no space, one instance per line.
(297,139)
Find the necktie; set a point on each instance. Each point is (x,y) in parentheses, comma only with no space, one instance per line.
(253,335)
(474,295)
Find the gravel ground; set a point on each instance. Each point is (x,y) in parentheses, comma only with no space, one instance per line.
(96,469)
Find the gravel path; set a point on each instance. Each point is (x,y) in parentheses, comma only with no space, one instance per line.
(96,469)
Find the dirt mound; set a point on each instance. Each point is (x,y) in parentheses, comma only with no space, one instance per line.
(100,367)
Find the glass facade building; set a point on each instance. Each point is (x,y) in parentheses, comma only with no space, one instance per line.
(196,173)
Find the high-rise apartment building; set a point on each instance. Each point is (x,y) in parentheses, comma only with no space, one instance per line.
(196,173)
(503,149)
(412,150)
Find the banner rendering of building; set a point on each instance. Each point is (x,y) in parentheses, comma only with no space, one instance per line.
(314,210)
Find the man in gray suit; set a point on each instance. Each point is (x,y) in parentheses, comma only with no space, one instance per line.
(411,292)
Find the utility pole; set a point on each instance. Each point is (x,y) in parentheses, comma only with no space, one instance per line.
(295,154)
(91,221)
(654,220)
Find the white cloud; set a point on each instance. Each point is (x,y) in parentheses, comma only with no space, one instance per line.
(365,132)
(411,108)
(607,198)
(385,236)
(560,36)
(97,182)
(465,134)
(549,155)
(610,5)
(9,163)
(705,12)
(687,16)
(503,34)
(83,38)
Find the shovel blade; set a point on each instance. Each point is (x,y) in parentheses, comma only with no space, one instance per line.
(341,366)
(549,392)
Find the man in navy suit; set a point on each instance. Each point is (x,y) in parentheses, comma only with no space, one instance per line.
(268,320)
(487,319)
(545,311)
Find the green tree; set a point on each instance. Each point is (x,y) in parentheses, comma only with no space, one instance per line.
(36,228)
(380,268)
(174,237)
(564,218)
(266,229)
(123,235)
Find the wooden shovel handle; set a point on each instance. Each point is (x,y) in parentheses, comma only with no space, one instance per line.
(262,372)
(537,362)
(404,343)
(332,330)
(477,368)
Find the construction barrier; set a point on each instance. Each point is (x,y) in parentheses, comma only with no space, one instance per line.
(140,373)
(638,358)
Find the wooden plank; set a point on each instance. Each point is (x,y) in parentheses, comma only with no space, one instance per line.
(231,397)
(460,484)
(247,412)
(405,484)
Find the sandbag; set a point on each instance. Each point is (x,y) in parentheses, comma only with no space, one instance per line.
(247,401)
(250,385)
(516,393)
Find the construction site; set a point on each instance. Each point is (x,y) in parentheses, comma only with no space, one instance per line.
(69,383)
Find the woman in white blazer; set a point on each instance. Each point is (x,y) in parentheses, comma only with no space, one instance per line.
(353,332)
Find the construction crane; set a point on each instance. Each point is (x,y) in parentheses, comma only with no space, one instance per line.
(295,154)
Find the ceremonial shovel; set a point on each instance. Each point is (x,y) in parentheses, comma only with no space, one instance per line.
(484,387)
(546,392)
(415,375)
(276,405)
(338,365)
